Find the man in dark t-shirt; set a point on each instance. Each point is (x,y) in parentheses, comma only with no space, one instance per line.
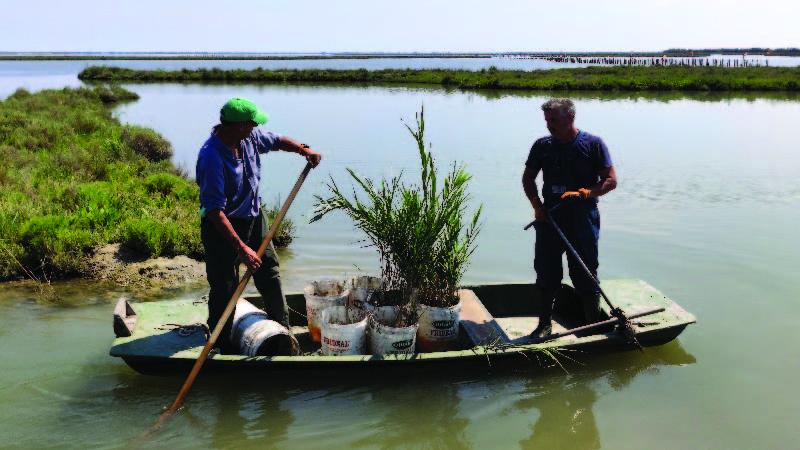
(576,169)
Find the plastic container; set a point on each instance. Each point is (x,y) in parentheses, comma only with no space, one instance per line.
(387,339)
(320,295)
(438,328)
(256,335)
(361,288)
(343,330)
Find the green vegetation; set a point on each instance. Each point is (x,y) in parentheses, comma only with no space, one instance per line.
(419,231)
(74,178)
(284,235)
(595,78)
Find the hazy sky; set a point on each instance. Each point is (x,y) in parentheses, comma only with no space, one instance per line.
(397,26)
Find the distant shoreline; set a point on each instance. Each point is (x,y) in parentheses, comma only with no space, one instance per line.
(178,56)
(230,57)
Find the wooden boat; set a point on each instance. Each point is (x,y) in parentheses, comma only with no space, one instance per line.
(168,336)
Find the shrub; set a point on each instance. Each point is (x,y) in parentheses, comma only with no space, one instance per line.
(284,235)
(146,142)
(162,183)
(147,235)
(114,94)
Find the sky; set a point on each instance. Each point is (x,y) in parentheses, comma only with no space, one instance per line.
(310,26)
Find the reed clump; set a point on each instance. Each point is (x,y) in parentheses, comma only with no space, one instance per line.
(147,142)
(284,235)
(421,232)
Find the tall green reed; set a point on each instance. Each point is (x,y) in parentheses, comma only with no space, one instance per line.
(420,231)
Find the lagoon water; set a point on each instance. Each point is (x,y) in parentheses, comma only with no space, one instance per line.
(706,212)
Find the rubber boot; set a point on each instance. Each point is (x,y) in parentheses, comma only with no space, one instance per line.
(591,308)
(591,313)
(545,326)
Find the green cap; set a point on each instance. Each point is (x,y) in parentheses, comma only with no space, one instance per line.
(242,110)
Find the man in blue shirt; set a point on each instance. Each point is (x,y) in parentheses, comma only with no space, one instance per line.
(232,224)
(576,169)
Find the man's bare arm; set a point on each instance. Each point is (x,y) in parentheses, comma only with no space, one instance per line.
(290,145)
(531,191)
(608,182)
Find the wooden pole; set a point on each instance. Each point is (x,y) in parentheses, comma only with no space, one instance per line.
(232,303)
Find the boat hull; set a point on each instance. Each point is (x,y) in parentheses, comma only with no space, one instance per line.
(167,337)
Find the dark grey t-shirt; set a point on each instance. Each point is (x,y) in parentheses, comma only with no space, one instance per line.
(568,167)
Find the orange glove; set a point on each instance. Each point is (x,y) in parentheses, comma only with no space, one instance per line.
(580,194)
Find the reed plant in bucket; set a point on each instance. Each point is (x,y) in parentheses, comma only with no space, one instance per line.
(420,231)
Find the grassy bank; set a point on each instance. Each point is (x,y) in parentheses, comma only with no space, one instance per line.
(624,78)
(73,177)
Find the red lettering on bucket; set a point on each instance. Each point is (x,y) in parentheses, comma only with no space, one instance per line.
(335,343)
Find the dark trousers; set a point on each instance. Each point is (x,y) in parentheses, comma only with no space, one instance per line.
(580,223)
(222,272)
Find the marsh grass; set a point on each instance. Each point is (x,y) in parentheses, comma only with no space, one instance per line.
(74,178)
(419,231)
(593,78)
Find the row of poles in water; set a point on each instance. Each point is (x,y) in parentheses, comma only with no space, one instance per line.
(645,61)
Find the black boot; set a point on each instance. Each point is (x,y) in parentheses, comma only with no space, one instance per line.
(591,308)
(591,313)
(545,326)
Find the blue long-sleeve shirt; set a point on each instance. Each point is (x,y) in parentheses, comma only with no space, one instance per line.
(231,184)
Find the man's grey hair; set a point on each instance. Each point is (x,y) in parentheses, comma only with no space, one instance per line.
(564,106)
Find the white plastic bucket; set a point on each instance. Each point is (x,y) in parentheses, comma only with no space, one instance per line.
(343,330)
(256,335)
(320,295)
(361,287)
(387,339)
(438,328)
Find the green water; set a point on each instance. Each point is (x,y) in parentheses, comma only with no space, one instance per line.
(706,211)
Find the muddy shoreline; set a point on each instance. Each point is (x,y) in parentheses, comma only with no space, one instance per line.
(126,267)
(129,268)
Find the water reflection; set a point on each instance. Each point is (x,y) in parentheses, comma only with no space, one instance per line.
(565,404)
(378,410)
(497,94)
(417,415)
(252,412)
(566,420)
(653,96)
